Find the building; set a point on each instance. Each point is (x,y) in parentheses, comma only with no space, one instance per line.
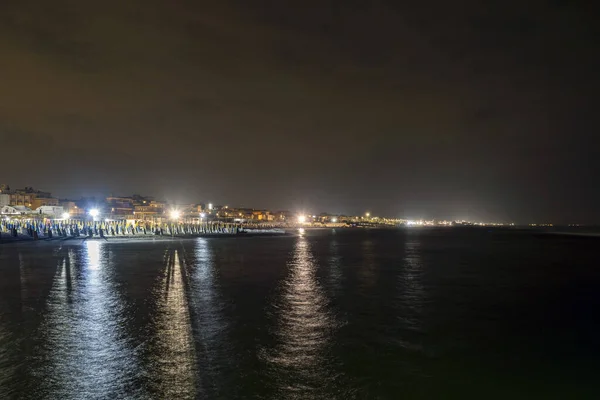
(149,210)
(21,199)
(38,202)
(71,207)
(51,211)
(4,199)
(120,207)
(15,210)
(262,215)
(283,216)
(28,197)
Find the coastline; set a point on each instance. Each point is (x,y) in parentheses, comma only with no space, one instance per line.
(24,239)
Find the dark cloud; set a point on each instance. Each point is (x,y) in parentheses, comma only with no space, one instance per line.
(439,108)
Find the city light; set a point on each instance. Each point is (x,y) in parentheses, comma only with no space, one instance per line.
(94,212)
(210,206)
(334,220)
(175,214)
(66,215)
(368,215)
(202,215)
(302,219)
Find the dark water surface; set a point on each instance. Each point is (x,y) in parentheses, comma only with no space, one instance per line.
(460,313)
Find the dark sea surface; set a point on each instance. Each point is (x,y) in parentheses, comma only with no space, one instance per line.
(331,314)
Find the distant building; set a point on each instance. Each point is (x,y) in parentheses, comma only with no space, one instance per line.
(4,199)
(51,211)
(71,207)
(21,199)
(283,216)
(38,202)
(15,210)
(28,197)
(120,207)
(147,212)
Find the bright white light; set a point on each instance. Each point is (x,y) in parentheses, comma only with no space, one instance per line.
(302,219)
(314,216)
(210,206)
(368,215)
(334,220)
(175,214)
(410,222)
(94,212)
(202,215)
(66,215)
(301,231)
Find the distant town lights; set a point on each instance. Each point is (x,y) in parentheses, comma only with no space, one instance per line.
(175,214)
(66,215)
(333,220)
(94,212)
(301,219)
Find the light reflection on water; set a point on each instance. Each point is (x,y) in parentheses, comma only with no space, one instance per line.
(409,303)
(173,356)
(7,361)
(367,271)
(84,350)
(411,293)
(214,353)
(261,318)
(335,267)
(299,362)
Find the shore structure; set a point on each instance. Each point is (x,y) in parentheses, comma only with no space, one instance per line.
(11,230)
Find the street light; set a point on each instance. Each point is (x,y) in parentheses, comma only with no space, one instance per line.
(301,219)
(175,214)
(94,212)
(334,220)
(65,215)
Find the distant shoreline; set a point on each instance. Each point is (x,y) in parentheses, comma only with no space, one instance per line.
(5,239)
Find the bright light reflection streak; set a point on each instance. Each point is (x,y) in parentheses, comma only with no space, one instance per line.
(83,342)
(174,347)
(304,331)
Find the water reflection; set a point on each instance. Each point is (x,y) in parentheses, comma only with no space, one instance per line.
(410,299)
(84,350)
(10,310)
(301,362)
(173,372)
(368,270)
(210,324)
(7,361)
(335,267)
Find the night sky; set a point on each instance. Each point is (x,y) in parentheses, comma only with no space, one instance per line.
(447,109)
